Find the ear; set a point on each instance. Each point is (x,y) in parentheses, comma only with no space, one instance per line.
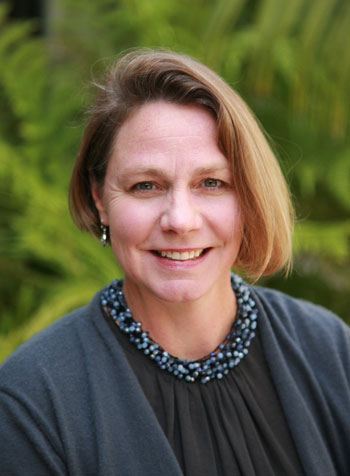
(97,195)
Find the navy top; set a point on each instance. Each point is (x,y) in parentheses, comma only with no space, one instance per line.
(233,426)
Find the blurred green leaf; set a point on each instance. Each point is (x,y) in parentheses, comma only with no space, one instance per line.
(289,60)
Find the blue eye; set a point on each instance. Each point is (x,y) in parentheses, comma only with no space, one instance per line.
(144,186)
(211,183)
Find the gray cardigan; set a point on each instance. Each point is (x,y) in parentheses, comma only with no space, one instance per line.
(71,405)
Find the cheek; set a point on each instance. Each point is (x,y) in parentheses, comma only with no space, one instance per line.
(129,223)
(229,219)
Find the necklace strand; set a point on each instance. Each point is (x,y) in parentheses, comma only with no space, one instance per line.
(215,365)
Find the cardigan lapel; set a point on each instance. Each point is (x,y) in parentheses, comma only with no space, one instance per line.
(143,433)
(296,387)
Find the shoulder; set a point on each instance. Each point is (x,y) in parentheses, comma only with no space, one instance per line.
(313,328)
(53,349)
(308,353)
(56,387)
(297,312)
(44,382)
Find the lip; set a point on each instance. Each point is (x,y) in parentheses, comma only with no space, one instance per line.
(181,264)
(180,250)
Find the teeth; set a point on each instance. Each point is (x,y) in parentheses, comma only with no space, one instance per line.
(176,255)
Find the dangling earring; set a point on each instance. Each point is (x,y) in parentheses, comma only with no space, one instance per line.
(103,238)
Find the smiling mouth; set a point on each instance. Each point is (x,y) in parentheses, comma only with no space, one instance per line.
(181,255)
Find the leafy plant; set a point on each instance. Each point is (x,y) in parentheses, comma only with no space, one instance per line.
(290,62)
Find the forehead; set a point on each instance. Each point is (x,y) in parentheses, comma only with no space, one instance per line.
(163,130)
(160,118)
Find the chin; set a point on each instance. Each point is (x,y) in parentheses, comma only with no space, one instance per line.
(180,291)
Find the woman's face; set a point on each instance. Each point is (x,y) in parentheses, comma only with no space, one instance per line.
(174,217)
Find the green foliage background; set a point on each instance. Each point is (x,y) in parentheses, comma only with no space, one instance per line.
(289,60)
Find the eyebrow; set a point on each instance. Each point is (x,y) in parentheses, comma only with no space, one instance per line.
(155,172)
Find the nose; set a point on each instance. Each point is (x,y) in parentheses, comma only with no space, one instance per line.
(180,214)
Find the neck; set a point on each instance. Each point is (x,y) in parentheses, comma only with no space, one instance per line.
(188,330)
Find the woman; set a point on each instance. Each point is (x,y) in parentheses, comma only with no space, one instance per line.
(180,368)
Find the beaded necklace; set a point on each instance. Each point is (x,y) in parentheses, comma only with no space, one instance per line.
(215,365)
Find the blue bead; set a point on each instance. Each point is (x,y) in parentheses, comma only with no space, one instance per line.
(216,365)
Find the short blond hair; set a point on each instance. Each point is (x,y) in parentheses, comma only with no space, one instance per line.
(143,76)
